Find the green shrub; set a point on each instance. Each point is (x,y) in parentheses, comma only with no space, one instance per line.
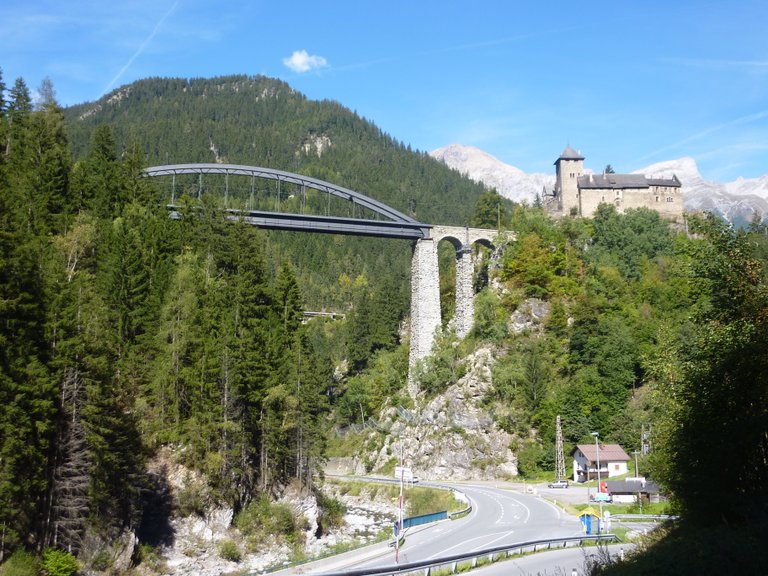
(21,563)
(149,555)
(59,563)
(191,500)
(331,512)
(101,561)
(529,459)
(228,550)
(262,517)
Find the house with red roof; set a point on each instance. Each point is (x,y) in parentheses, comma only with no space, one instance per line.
(612,458)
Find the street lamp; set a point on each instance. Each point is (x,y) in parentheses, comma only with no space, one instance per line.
(600,502)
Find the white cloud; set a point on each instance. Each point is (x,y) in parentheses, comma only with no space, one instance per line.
(301,62)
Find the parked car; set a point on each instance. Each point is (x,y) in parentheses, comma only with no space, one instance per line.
(558,484)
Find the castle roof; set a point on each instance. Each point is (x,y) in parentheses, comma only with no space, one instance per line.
(674,181)
(569,154)
(623,181)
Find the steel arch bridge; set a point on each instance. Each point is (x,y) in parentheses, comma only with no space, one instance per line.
(387,222)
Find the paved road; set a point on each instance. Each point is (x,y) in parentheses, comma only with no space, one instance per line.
(498,517)
(555,563)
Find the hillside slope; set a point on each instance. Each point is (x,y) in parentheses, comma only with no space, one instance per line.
(259,121)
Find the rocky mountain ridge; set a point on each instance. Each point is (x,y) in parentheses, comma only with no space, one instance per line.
(738,201)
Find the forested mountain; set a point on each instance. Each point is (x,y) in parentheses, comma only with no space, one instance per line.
(260,121)
(124,333)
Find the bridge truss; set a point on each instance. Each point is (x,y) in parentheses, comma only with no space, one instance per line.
(312,202)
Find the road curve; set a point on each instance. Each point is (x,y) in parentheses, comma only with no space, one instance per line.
(498,517)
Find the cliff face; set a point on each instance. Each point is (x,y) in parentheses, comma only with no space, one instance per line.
(455,437)
(450,437)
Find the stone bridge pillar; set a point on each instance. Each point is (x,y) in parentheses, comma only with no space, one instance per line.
(425,304)
(465,293)
(425,289)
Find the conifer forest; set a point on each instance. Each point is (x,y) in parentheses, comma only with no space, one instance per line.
(124,331)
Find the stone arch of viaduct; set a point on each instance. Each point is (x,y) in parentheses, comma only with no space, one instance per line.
(426,320)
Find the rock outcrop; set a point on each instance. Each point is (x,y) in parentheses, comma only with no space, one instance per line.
(452,436)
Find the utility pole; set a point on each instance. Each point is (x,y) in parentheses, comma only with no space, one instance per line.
(401,501)
(559,455)
(597,451)
(637,475)
(645,439)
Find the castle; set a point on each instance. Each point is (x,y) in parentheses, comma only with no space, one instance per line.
(579,194)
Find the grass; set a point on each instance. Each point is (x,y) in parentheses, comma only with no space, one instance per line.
(428,500)
(658,508)
(350,443)
(418,500)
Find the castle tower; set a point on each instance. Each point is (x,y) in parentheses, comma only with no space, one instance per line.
(569,167)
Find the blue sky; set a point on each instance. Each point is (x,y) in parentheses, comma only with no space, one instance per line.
(628,83)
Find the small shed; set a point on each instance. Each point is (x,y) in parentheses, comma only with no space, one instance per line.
(611,457)
(590,520)
(628,491)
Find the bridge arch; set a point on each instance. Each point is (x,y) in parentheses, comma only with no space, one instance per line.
(386,223)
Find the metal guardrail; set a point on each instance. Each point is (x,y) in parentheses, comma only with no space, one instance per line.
(424,518)
(641,517)
(411,521)
(492,554)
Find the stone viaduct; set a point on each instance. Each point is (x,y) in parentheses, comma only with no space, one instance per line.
(426,321)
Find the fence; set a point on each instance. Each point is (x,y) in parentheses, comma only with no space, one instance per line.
(419,520)
(643,517)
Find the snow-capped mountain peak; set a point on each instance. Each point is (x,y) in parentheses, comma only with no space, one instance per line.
(480,166)
(684,168)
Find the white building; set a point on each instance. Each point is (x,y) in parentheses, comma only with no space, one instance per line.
(613,461)
(633,491)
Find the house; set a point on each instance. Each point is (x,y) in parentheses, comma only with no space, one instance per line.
(613,461)
(627,491)
(578,193)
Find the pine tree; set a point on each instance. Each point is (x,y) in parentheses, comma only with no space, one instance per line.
(71,482)
(168,394)
(96,182)
(27,391)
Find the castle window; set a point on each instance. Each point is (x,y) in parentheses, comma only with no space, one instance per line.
(670,199)
(657,198)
